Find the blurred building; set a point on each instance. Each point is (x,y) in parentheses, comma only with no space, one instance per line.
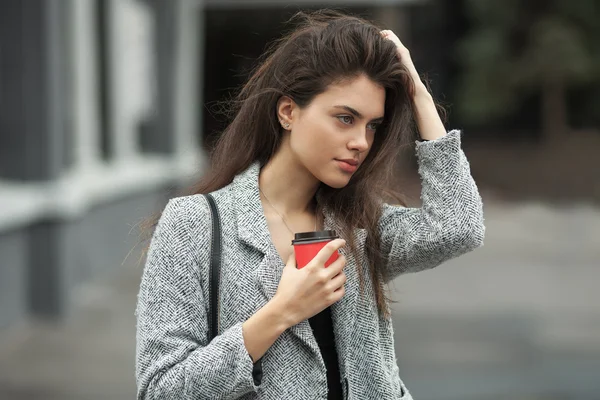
(102,115)
(96,119)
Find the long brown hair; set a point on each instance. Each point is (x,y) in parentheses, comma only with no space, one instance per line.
(325,47)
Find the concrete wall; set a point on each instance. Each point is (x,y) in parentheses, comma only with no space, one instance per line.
(80,84)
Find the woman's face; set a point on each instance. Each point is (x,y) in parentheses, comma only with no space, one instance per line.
(332,136)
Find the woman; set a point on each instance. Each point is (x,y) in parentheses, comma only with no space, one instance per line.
(312,146)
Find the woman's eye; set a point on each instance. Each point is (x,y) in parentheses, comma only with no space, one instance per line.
(373,126)
(346,119)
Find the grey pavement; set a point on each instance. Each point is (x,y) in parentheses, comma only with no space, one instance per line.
(517,319)
(90,357)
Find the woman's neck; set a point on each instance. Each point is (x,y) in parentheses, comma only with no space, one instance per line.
(288,186)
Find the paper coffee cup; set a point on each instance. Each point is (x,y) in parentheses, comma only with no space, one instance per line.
(308,244)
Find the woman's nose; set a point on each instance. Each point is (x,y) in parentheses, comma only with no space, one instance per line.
(360,141)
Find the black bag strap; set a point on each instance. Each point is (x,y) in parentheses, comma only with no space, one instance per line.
(215,268)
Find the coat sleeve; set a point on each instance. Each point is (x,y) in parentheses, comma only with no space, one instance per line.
(450,221)
(173,358)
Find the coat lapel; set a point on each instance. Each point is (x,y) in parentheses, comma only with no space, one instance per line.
(343,312)
(251,223)
(253,230)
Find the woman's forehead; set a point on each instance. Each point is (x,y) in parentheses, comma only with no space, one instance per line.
(361,94)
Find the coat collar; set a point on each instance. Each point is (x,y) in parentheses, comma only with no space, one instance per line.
(251,222)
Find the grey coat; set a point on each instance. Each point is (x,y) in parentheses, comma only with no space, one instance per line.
(174,360)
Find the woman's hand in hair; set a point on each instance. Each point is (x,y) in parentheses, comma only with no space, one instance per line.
(403,55)
(428,120)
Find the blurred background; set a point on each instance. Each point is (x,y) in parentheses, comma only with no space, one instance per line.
(108,107)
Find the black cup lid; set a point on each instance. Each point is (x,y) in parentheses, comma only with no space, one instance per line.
(314,236)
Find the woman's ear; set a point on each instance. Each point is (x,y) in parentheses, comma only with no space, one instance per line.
(285,111)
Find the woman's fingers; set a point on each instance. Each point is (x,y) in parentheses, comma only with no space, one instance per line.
(387,34)
(403,53)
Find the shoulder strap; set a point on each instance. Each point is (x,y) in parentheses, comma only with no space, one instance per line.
(215,267)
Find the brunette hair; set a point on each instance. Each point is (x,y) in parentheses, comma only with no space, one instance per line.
(325,47)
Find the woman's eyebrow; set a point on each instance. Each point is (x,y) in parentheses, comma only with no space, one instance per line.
(356,113)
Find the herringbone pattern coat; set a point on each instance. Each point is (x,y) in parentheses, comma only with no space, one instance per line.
(174,360)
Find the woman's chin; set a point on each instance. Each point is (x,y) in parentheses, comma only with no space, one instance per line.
(336,182)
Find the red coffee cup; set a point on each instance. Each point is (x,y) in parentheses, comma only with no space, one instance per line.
(308,244)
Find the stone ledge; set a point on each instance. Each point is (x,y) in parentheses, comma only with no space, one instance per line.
(79,190)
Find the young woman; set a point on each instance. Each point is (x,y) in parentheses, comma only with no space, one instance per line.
(312,146)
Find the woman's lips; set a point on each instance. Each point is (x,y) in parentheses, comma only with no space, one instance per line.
(346,166)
